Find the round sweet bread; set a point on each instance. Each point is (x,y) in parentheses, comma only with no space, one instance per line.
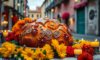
(37,34)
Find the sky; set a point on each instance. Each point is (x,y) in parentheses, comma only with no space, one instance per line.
(34,3)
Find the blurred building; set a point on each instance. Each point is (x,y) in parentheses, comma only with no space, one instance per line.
(85,12)
(57,7)
(43,7)
(87,17)
(12,11)
(44,12)
(27,11)
(35,14)
(1,10)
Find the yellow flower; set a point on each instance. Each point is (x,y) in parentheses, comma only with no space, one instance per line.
(19,50)
(29,58)
(77,46)
(49,51)
(61,49)
(87,43)
(6,54)
(28,53)
(55,43)
(84,42)
(7,49)
(39,54)
(0,50)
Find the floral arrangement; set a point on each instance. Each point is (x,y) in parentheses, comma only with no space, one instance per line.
(17,27)
(80,43)
(55,50)
(87,48)
(9,50)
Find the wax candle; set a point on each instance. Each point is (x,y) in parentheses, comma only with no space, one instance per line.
(5,33)
(77,51)
(95,43)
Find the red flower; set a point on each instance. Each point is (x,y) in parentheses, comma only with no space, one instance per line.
(70,51)
(88,49)
(15,19)
(10,36)
(85,56)
(65,15)
(16,38)
(8,39)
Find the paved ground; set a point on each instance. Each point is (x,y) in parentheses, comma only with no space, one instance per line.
(87,37)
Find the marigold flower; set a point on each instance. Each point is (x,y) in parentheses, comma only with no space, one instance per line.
(55,43)
(28,20)
(7,49)
(49,51)
(28,53)
(61,51)
(77,46)
(39,54)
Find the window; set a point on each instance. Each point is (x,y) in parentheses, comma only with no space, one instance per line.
(37,16)
(32,15)
(28,15)
(18,1)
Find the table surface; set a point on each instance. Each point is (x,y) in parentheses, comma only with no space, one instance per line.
(95,57)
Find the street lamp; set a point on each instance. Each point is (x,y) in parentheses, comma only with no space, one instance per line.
(18,4)
(77,0)
(4,23)
(52,10)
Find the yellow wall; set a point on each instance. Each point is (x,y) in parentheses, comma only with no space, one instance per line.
(35,15)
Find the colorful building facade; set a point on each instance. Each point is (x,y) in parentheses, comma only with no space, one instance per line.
(87,17)
(85,13)
(60,6)
(13,10)
(35,14)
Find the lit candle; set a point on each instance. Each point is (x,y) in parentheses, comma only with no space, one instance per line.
(77,51)
(95,43)
(5,33)
(82,39)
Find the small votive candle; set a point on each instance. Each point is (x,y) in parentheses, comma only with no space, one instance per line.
(5,33)
(77,51)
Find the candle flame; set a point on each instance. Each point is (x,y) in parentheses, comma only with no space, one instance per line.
(72,22)
(82,39)
(96,39)
(5,30)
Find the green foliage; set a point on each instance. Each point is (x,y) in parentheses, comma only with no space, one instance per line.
(44,52)
(14,42)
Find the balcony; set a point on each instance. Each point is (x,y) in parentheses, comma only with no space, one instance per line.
(52,4)
(56,3)
(14,11)
(59,2)
(9,3)
(81,4)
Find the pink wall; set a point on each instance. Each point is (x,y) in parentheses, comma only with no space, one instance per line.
(65,8)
